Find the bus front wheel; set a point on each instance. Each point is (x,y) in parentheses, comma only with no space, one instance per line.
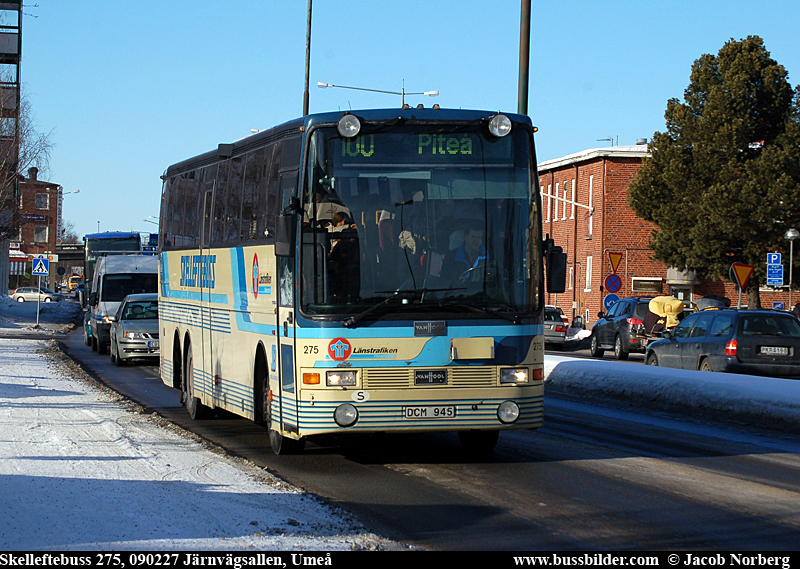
(478,442)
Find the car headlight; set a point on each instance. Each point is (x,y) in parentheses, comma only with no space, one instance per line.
(514,375)
(134,335)
(335,378)
(508,412)
(345,415)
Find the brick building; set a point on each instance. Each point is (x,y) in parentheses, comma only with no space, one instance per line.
(585,210)
(40,224)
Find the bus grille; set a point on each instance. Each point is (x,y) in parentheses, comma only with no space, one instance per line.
(478,376)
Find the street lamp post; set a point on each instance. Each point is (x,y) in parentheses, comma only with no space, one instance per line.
(402,92)
(791,235)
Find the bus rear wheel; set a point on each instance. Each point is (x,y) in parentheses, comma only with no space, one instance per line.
(478,442)
(194,407)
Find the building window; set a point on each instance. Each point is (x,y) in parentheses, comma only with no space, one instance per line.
(42,201)
(564,205)
(591,207)
(555,205)
(572,210)
(40,234)
(549,200)
(571,277)
(588,275)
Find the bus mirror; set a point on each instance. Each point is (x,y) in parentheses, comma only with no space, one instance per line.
(285,235)
(93,299)
(556,270)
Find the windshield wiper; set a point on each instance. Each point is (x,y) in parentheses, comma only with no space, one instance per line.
(513,318)
(404,294)
(352,320)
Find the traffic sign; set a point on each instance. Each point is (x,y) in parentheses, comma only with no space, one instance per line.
(615,258)
(609,301)
(741,273)
(777,305)
(41,267)
(774,275)
(773,258)
(613,283)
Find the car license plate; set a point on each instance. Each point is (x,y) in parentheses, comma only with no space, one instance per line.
(152,344)
(429,412)
(774,351)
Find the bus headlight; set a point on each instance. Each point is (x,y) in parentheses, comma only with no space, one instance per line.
(514,375)
(337,377)
(345,415)
(349,126)
(508,412)
(499,125)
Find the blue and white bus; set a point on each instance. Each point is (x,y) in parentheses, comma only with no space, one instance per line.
(361,271)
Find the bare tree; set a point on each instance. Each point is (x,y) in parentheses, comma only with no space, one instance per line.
(22,146)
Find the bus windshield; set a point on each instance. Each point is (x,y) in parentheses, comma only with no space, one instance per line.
(422,218)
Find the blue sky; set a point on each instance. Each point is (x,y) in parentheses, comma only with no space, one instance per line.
(129,88)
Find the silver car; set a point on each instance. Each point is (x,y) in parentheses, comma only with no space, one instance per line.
(134,329)
(29,294)
(555,330)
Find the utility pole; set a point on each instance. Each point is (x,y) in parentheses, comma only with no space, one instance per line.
(524,56)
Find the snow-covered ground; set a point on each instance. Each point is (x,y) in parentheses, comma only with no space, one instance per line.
(81,468)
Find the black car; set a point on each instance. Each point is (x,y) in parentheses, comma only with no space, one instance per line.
(621,329)
(756,342)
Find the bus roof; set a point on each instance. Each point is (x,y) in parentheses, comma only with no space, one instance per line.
(297,126)
(110,235)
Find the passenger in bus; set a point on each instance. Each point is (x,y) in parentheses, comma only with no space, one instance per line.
(344,267)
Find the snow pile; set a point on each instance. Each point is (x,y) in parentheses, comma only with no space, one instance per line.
(54,317)
(82,470)
(770,401)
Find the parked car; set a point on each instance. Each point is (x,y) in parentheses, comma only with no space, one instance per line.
(561,314)
(30,294)
(555,330)
(756,342)
(621,329)
(134,328)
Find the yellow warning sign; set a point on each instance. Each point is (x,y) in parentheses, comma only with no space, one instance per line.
(615,258)
(742,273)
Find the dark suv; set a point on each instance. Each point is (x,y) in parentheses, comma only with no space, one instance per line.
(621,329)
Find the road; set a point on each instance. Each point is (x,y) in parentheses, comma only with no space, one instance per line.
(594,478)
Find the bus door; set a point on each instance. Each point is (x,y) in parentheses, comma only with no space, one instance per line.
(286,385)
(207,375)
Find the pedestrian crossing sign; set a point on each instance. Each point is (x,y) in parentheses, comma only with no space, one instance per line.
(41,267)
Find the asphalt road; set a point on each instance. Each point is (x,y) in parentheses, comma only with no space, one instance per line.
(594,478)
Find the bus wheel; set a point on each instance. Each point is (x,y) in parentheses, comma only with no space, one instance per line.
(196,409)
(478,442)
(285,445)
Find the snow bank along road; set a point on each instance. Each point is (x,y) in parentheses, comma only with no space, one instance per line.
(81,469)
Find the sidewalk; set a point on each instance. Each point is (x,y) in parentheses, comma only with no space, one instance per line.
(83,469)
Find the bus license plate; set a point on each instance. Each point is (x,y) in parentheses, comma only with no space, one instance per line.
(430,412)
(774,351)
(152,344)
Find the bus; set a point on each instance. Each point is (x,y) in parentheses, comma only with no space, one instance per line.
(360,272)
(109,242)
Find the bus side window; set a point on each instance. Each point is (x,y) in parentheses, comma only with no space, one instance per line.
(233,210)
(220,199)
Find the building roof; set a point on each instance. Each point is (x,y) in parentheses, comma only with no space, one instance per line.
(636,151)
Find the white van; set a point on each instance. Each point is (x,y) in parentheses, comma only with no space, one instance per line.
(115,277)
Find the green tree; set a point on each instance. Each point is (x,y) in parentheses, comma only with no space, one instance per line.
(723,182)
